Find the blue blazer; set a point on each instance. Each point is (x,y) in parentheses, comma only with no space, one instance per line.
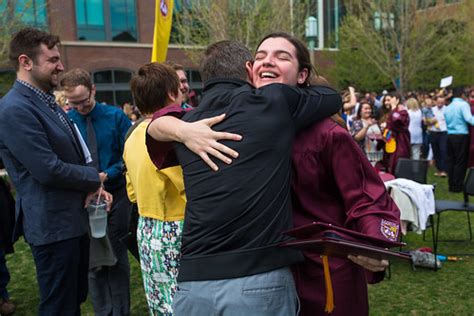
(47,167)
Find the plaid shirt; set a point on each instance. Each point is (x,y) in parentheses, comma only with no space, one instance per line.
(50,101)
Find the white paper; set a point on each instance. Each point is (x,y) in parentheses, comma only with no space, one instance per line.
(83,144)
(446,82)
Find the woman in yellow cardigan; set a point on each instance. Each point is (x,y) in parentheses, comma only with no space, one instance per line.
(159,194)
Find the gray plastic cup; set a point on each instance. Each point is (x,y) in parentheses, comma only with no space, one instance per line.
(97,218)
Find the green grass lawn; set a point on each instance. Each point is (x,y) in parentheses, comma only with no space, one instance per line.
(449,291)
(422,292)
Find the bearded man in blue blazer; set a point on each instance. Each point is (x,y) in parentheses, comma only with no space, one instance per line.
(44,158)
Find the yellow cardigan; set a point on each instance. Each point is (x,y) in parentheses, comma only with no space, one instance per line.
(158,193)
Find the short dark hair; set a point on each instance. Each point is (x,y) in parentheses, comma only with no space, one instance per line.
(395,94)
(174,65)
(151,86)
(302,54)
(28,41)
(225,59)
(76,77)
(458,92)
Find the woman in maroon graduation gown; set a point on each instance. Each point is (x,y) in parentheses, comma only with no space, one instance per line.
(333,182)
(397,124)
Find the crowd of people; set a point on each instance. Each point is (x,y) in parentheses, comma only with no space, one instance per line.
(212,187)
(417,126)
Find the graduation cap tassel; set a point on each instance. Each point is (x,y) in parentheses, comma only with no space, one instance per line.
(329,291)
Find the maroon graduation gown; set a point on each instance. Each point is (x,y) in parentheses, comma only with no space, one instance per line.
(397,123)
(333,182)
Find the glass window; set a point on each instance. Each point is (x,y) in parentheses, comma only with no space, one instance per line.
(90,20)
(122,76)
(113,86)
(123,20)
(329,14)
(103,77)
(30,12)
(105,96)
(333,10)
(106,20)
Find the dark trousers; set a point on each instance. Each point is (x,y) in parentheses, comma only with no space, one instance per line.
(109,286)
(61,270)
(425,149)
(439,143)
(4,276)
(458,151)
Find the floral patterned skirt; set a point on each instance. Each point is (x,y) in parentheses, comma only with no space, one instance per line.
(159,244)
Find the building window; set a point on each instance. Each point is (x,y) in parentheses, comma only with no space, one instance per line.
(328,15)
(106,20)
(333,10)
(17,14)
(113,86)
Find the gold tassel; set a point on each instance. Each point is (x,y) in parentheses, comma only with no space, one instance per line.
(329,291)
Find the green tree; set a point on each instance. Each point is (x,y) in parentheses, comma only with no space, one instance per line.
(14,15)
(206,21)
(408,44)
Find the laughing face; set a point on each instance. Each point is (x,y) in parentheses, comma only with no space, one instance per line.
(276,62)
(365,111)
(46,67)
(183,82)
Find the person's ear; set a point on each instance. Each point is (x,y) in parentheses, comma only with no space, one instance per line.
(172,96)
(302,76)
(25,62)
(248,67)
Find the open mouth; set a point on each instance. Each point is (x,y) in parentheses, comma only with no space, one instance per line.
(268,75)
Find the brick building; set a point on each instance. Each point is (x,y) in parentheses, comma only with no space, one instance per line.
(112,38)
(95,37)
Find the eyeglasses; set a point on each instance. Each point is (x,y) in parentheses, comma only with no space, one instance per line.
(75,104)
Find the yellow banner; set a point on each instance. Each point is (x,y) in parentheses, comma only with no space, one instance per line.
(161,35)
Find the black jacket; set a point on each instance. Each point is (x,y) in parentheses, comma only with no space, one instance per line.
(235,216)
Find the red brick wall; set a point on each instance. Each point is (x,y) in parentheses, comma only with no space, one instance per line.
(145,20)
(94,58)
(62,19)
